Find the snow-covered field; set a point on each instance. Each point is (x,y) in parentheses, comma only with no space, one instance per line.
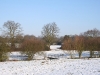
(52,67)
(60,66)
(55,47)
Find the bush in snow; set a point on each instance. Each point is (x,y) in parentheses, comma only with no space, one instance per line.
(68,44)
(31,46)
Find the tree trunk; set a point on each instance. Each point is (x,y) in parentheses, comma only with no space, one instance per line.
(80,53)
(98,53)
(91,53)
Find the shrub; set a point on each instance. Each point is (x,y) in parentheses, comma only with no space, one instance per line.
(31,46)
(3,51)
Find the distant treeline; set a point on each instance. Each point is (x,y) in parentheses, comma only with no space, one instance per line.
(89,40)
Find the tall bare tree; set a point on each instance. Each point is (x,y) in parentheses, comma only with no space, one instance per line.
(68,45)
(50,32)
(11,30)
(79,44)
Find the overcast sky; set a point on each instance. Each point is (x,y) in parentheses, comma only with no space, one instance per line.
(71,16)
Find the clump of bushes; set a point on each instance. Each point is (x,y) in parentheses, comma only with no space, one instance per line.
(31,46)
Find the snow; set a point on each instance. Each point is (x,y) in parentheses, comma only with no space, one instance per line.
(56,53)
(52,67)
(61,66)
(17,55)
(55,47)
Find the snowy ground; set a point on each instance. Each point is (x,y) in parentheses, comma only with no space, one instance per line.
(61,66)
(51,67)
(55,47)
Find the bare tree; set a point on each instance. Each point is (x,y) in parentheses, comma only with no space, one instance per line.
(29,37)
(98,46)
(92,33)
(79,44)
(11,29)
(50,32)
(19,38)
(91,40)
(68,45)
